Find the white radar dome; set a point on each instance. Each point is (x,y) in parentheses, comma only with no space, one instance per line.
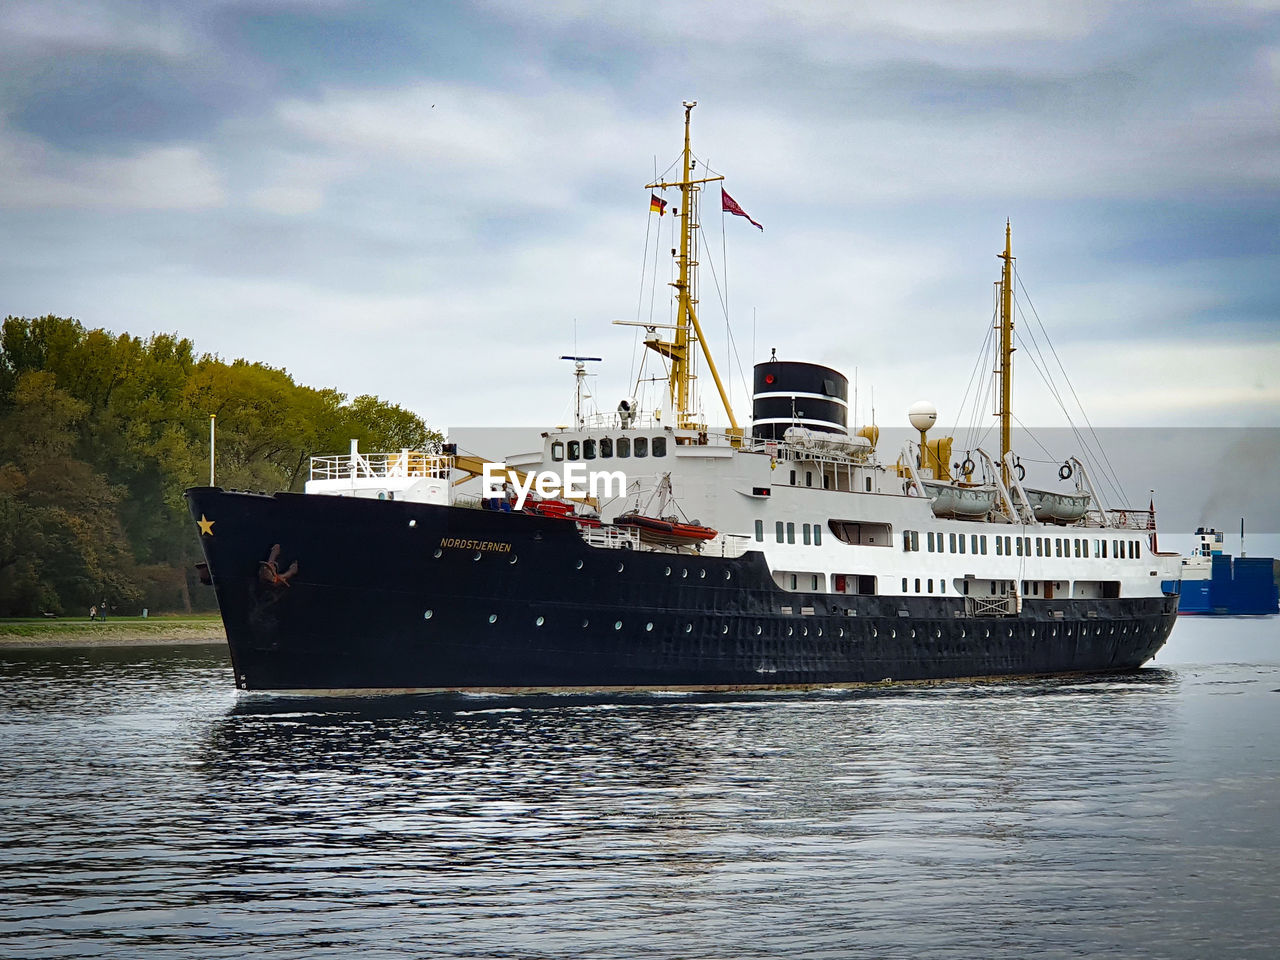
(922,414)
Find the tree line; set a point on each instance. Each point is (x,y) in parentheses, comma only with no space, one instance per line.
(99,435)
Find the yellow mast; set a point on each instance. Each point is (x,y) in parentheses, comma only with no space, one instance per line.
(1006,348)
(687,327)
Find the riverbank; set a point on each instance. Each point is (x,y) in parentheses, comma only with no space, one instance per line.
(113,632)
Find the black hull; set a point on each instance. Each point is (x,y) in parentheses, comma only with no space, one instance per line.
(401,596)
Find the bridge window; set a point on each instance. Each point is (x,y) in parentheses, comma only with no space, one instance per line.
(606,447)
(659,446)
(588,449)
(575,450)
(624,446)
(641,447)
(557,451)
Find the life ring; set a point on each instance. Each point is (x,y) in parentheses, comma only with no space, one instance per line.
(968,466)
(1022,471)
(1064,472)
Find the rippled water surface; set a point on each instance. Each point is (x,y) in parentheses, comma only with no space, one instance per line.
(148,810)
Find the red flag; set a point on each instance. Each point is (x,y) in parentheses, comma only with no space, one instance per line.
(657,204)
(730,205)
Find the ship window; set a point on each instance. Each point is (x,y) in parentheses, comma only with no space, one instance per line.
(791,533)
(817,535)
(1057,545)
(930,584)
(808,478)
(1026,546)
(659,446)
(760,530)
(999,546)
(973,543)
(588,449)
(557,451)
(814,586)
(804,530)
(942,586)
(1077,545)
(624,446)
(917,584)
(1018,543)
(1084,545)
(779,531)
(641,447)
(961,539)
(982,542)
(793,478)
(793,581)
(575,450)
(929,541)
(1039,547)
(951,541)
(904,584)
(868,484)
(606,447)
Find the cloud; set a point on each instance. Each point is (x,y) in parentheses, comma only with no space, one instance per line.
(161,178)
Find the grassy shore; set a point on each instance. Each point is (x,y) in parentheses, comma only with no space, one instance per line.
(115,631)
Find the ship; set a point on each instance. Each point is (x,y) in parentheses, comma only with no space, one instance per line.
(1214,582)
(788,554)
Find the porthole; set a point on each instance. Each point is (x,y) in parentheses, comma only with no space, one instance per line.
(579,564)
(618,625)
(648,627)
(427,615)
(666,571)
(513,560)
(477,556)
(438,554)
(728,574)
(1053,631)
(493,618)
(893,634)
(937,633)
(986,633)
(839,631)
(804,631)
(913,633)
(585,622)
(1033,631)
(621,567)
(724,629)
(702,574)
(875,632)
(539,622)
(790,631)
(1011,631)
(819,631)
(688,628)
(759,630)
(962,633)
(413,523)
(1113,631)
(684,573)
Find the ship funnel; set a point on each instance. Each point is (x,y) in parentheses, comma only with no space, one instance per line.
(794,394)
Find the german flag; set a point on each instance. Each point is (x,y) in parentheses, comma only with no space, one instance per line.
(657,204)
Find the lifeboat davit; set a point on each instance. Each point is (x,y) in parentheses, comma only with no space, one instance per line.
(665,531)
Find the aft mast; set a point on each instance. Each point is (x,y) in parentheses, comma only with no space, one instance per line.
(687,328)
(1005,370)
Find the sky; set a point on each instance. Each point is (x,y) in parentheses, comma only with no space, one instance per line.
(433,202)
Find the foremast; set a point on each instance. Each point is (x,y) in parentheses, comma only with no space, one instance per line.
(686,329)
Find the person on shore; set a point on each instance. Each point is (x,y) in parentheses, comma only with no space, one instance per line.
(93,613)
(102,609)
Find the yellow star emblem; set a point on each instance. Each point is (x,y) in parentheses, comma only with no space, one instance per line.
(206,525)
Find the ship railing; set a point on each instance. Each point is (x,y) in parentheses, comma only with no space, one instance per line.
(1125,519)
(414,464)
(610,537)
(728,545)
(990,606)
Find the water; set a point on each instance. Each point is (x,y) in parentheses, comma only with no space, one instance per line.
(149,811)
